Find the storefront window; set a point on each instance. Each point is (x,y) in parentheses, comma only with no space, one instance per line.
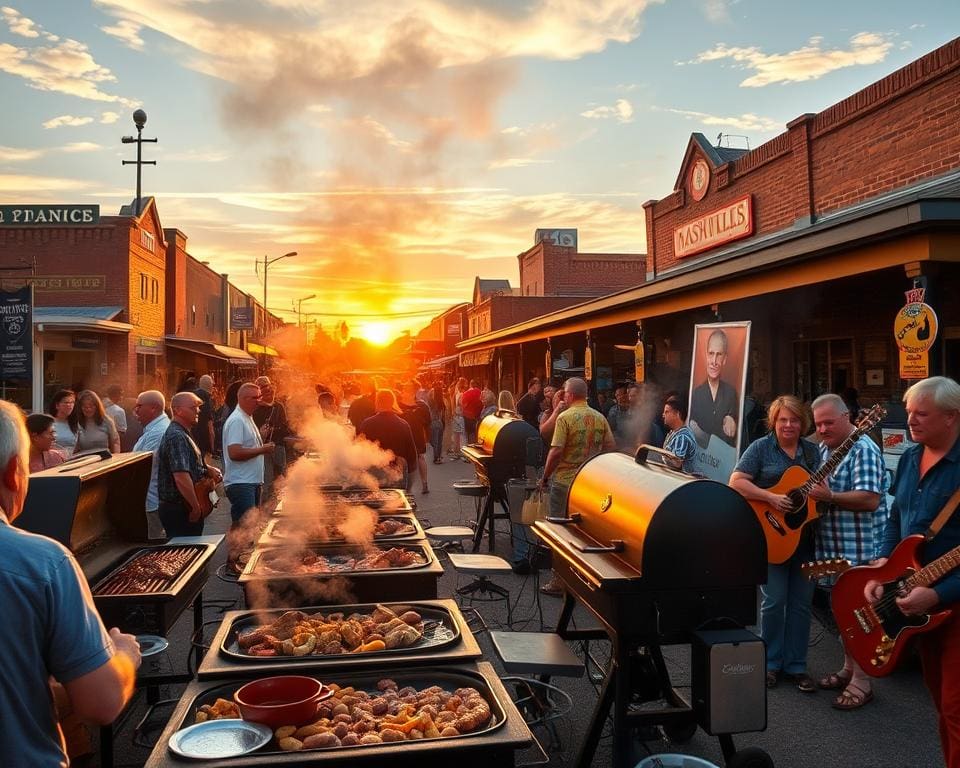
(823,365)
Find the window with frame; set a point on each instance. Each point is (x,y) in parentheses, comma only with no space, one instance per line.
(143,286)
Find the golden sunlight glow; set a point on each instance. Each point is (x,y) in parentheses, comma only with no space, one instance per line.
(378,334)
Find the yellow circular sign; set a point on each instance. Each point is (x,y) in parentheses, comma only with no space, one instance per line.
(915,327)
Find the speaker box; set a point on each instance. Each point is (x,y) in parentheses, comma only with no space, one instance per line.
(729,681)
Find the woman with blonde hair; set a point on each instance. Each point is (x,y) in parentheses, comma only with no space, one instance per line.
(788,594)
(96,429)
(505,401)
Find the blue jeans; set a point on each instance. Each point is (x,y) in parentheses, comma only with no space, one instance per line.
(785,615)
(175,517)
(558,499)
(243,497)
(436,439)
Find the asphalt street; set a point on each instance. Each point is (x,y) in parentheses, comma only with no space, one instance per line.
(896,730)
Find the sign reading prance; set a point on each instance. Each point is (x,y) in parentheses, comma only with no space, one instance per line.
(732,222)
(48,215)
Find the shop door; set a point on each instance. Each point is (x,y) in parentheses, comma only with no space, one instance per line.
(66,370)
(822,365)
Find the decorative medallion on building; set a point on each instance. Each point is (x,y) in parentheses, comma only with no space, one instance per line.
(699,180)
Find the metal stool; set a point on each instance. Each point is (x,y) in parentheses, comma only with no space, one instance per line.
(471,488)
(482,567)
(446,537)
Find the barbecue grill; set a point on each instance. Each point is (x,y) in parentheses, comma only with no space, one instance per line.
(500,454)
(282,531)
(655,556)
(386,501)
(94,505)
(447,638)
(267,586)
(494,744)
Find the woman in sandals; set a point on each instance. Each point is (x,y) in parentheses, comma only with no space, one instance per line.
(788,594)
(852,525)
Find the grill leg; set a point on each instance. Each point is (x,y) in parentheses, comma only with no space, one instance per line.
(485,516)
(592,738)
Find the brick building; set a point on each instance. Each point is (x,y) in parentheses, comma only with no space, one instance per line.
(814,237)
(113,295)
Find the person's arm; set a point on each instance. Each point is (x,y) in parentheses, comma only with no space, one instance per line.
(99,696)
(237,452)
(114,436)
(553,458)
(550,423)
(609,441)
(184,482)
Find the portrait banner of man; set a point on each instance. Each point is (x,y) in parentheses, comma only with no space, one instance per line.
(718,377)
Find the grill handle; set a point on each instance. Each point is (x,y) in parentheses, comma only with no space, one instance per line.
(574,518)
(616,545)
(671,460)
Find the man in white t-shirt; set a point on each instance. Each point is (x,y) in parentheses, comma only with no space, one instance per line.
(243,452)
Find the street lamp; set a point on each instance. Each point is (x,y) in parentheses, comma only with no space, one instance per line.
(139,120)
(266,263)
(299,302)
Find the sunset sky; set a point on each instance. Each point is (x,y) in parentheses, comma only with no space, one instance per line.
(401,147)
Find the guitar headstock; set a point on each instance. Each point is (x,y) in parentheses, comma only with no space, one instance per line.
(819,569)
(871,418)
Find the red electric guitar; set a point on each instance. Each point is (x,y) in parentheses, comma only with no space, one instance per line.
(875,635)
(782,531)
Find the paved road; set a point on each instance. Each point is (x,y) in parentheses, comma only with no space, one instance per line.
(897,730)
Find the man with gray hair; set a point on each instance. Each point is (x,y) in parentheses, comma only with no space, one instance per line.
(580,433)
(150,412)
(56,631)
(852,525)
(927,475)
(180,467)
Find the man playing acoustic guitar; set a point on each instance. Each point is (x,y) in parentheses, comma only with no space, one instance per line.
(927,476)
(852,525)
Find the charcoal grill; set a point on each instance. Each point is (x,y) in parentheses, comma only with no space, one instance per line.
(655,556)
(449,641)
(264,589)
(495,744)
(500,454)
(281,531)
(94,505)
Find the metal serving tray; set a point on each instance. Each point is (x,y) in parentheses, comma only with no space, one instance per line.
(281,531)
(386,501)
(455,643)
(493,745)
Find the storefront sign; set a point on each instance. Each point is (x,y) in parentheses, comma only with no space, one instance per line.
(588,364)
(730,223)
(48,215)
(476,357)
(699,180)
(16,335)
(241,318)
(914,365)
(915,327)
(145,341)
(84,341)
(639,371)
(453,329)
(69,283)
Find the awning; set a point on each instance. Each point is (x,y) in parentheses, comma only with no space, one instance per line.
(80,319)
(231,355)
(438,362)
(261,349)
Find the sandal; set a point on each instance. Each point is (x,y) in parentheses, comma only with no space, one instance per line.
(804,682)
(835,681)
(852,697)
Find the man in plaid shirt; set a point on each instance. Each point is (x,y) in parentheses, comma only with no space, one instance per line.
(853,525)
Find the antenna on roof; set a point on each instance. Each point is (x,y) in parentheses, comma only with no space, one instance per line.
(720,137)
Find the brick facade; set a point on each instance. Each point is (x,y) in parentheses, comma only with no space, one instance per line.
(897,131)
(556,270)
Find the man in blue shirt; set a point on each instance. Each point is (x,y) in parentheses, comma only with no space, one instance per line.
(56,632)
(680,440)
(927,475)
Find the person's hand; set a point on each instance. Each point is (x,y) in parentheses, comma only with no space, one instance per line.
(127,645)
(821,492)
(918,602)
(781,503)
(873,589)
(215,473)
(729,426)
(195,515)
(267,448)
(541,483)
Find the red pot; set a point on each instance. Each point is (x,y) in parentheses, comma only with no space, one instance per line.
(281,700)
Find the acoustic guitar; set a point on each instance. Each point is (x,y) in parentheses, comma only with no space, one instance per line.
(875,635)
(782,531)
(205,488)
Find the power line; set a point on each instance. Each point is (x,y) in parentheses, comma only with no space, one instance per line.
(421,313)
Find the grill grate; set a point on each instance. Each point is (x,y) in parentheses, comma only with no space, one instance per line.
(150,572)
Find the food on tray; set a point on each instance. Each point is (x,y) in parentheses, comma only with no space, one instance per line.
(142,573)
(221,709)
(372,559)
(353,717)
(309,531)
(295,633)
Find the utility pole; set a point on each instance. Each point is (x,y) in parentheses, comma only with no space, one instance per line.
(139,119)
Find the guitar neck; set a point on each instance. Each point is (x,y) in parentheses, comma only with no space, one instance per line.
(832,462)
(933,572)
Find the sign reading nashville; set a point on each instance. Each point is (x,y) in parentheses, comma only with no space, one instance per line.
(47,215)
(732,222)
